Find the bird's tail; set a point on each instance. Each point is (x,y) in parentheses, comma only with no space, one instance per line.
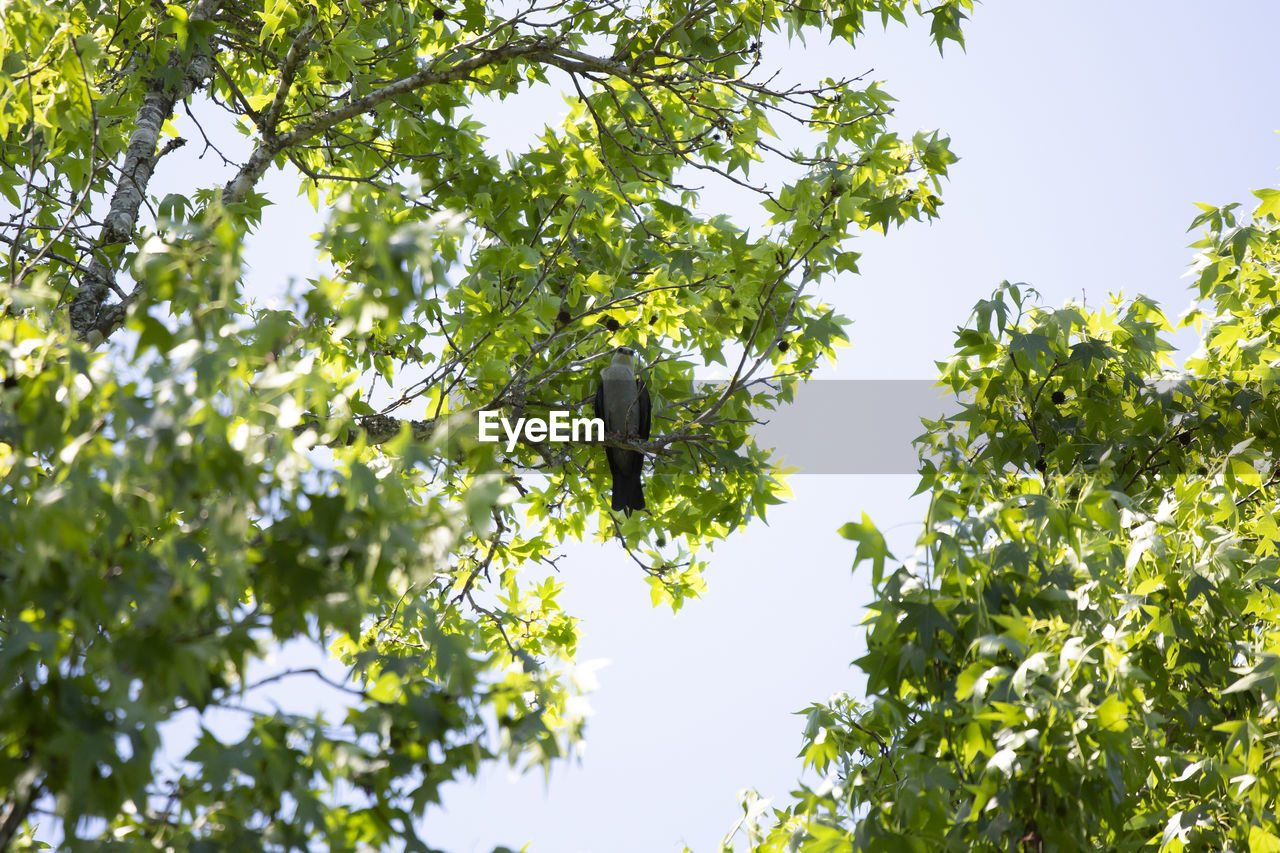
(628,493)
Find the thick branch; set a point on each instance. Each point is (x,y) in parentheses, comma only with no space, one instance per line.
(87,315)
(377,429)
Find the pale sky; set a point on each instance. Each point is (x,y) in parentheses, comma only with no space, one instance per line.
(1086,132)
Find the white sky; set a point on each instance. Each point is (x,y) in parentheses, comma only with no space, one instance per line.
(1086,131)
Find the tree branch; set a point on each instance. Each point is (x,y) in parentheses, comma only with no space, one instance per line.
(16,806)
(237,189)
(297,52)
(377,429)
(88,318)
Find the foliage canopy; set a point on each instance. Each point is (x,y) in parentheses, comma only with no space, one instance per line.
(1084,653)
(189,478)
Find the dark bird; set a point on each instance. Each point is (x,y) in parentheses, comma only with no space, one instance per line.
(622,402)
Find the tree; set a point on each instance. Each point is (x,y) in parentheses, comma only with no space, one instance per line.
(1086,657)
(190,479)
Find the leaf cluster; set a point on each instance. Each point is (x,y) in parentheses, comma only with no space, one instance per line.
(1082,655)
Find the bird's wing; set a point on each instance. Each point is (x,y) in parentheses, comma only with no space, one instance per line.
(644,407)
(598,404)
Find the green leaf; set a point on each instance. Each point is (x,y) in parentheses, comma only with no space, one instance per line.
(871,546)
(1270,204)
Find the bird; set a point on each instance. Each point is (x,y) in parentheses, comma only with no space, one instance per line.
(622,402)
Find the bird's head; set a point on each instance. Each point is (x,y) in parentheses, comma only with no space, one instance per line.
(624,355)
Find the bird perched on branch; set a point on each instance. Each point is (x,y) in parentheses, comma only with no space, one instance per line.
(622,402)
